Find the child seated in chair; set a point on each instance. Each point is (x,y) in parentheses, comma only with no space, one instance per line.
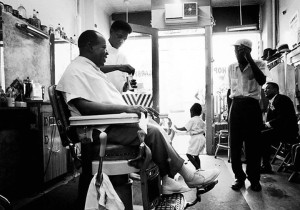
(195,128)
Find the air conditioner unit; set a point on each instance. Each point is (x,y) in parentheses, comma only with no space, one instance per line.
(181,13)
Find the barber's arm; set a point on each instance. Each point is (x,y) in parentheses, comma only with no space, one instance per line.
(124,68)
(86,107)
(258,74)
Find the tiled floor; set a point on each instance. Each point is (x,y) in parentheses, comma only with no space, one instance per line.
(277,193)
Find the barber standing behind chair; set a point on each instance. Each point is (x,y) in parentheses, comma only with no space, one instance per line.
(119,32)
(245,117)
(281,123)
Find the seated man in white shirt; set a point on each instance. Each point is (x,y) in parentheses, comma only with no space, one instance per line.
(88,92)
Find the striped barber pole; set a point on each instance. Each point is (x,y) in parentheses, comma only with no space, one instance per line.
(142,99)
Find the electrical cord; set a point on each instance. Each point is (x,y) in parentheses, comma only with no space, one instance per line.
(50,149)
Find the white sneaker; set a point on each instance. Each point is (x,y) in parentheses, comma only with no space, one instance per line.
(170,186)
(202,177)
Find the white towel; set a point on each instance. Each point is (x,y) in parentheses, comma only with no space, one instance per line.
(109,199)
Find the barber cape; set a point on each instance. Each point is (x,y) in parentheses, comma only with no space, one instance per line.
(108,198)
(84,79)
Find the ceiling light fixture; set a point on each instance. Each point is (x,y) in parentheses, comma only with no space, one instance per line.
(241,27)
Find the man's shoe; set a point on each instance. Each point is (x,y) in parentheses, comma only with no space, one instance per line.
(202,178)
(255,186)
(170,186)
(238,184)
(266,169)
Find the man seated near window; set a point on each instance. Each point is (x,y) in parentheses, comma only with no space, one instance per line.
(87,91)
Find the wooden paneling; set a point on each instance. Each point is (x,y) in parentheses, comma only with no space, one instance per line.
(54,154)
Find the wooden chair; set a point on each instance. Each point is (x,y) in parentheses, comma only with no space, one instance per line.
(283,154)
(115,160)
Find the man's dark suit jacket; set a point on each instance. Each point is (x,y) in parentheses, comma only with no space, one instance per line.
(282,117)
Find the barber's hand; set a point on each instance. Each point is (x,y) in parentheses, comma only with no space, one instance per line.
(127,68)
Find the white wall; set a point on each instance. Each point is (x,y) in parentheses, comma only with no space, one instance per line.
(287,34)
(52,12)
(102,19)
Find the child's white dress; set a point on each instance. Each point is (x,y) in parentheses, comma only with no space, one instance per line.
(196,128)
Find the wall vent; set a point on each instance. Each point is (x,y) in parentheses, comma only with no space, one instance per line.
(181,13)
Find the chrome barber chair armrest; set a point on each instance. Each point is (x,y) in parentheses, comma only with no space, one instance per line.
(86,125)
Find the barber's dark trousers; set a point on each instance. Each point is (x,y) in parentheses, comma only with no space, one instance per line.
(245,123)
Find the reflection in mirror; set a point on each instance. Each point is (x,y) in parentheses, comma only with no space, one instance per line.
(64,53)
(138,50)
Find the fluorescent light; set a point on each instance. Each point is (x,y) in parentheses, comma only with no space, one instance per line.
(241,28)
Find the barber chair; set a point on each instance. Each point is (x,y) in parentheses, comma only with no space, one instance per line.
(5,204)
(116,161)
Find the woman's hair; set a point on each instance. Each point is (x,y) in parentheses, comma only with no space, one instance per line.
(196,109)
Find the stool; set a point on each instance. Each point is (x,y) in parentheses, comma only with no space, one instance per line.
(223,142)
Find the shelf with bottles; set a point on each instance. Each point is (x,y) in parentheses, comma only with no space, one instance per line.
(70,40)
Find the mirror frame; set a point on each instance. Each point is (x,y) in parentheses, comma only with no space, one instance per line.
(155,60)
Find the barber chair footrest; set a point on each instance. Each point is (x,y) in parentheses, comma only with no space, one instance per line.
(175,201)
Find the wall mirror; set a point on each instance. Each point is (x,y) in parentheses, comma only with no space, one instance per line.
(64,52)
(141,49)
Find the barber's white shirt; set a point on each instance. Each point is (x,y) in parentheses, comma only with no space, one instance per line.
(116,57)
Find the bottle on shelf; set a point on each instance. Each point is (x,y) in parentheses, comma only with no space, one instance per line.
(58,31)
(51,30)
(63,33)
(22,11)
(38,21)
(34,21)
